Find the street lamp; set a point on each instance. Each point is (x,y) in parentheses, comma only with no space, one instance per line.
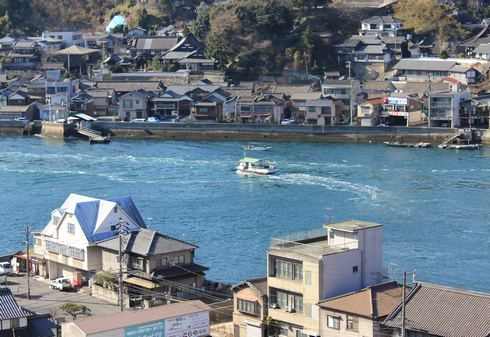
(121,228)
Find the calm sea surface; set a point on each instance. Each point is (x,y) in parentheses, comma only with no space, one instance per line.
(435,204)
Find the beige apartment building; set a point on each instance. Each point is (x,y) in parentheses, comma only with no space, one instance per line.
(306,268)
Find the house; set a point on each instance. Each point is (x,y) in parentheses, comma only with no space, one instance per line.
(369,111)
(28,112)
(437,310)
(482,51)
(434,69)
(446,108)
(368,55)
(152,46)
(95,102)
(306,268)
(381,25)
(134,105)
(24,56)
(260,109)
(122,87)
(400,109)
(136,32)
(171,104)
(67,242)
(345,91)
(250,308)
(67,38)
(188,54)
(154,256)
(319,112)
(360,313)
(190,318)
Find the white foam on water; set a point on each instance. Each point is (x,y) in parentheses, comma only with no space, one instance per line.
(329,183)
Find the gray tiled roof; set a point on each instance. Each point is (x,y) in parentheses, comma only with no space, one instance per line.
(146,242)
(156,43)
(427,65)
(9,309)
(483,48)
(380,19)
(443,311)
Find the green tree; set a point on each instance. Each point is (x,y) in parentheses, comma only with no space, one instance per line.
(201,25)
(75,309)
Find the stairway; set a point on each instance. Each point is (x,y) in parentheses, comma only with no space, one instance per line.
(93,135)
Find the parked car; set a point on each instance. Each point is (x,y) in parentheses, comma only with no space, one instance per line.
(62,283)
(138,120)
(6,268)
(153,119)
(288,121)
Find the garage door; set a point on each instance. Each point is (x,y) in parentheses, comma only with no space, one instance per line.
(253,331)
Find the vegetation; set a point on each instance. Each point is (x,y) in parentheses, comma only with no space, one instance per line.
(430,18)
(75,309)
(105,279)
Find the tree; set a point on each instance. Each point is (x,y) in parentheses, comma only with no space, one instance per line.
(201,25)
(428,17)
(75,309)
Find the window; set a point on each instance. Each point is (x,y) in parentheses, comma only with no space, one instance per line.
(137,102)
(286,301)
(373,26)
(38,242)
(138,263)
(164,261)
(333,322)
(331,234)
(355,269)
(283,331)
(352,323)
(71,228)
(311,109)
(127,103)
(288,270)
(307,277)
(247,307)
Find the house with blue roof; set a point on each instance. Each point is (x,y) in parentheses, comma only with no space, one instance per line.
(67,242)
(79,241)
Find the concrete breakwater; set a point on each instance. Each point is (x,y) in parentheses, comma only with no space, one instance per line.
(244,132)
(216,131)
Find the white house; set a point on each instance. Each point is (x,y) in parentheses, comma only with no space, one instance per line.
(68,38)
(67,241)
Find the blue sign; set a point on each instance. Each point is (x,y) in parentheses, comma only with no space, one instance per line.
(155,329)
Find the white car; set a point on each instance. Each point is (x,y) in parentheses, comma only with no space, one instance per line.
(137,120)
(62,283)
(6,268)
(153,119)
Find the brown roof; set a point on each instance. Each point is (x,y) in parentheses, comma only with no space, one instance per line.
(373,302)
(258,283)
(443,311)
(129,318)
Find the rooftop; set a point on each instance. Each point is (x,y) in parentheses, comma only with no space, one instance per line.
(352,225)
(125,319)
(374,302)
(444,311)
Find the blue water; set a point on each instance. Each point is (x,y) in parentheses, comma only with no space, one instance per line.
(434,204)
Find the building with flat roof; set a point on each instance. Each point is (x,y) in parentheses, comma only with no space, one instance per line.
(306,268)
(183,319)
(250,309)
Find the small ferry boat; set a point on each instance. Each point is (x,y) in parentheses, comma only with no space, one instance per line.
(252,147)
(460,146)
(254,166)
(420,145)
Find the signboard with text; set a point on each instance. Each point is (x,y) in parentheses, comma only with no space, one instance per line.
(192,325)
(154,329)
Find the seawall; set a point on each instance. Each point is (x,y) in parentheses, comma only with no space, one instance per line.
(16,128)
(243,132)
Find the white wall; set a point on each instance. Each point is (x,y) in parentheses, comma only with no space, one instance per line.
(337,274)
(371,245)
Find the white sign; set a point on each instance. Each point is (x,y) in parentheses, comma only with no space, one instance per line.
(398,100)
(192,325)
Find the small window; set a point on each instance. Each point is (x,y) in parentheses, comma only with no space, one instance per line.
(71,228)
(355,269)
(247,307)
(164,261)
(333,322)
(307,277)
(331,234)
(352,323)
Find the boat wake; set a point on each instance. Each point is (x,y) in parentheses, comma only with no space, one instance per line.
(329,183)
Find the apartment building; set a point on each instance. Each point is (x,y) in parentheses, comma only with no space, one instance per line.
(306,268)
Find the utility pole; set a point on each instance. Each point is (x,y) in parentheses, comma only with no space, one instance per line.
(121,302)
(349,66)
(403,302)
(28,262)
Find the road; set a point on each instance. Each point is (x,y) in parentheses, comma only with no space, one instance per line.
(45,300)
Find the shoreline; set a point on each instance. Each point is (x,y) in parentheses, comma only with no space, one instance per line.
(244,132)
